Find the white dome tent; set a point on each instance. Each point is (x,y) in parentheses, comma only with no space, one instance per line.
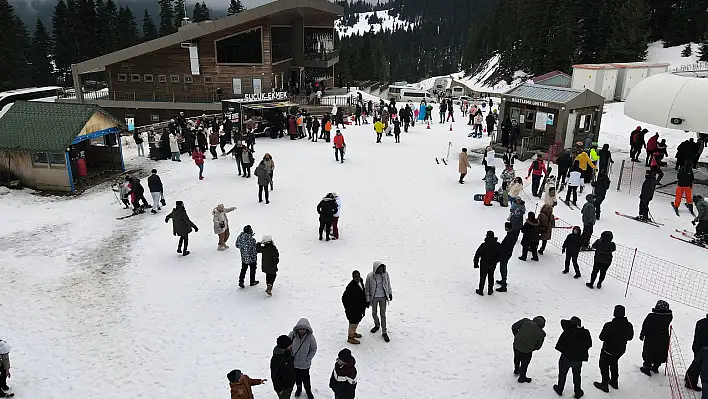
(671,100)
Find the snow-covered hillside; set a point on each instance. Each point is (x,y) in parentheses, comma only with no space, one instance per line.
(672,55)
(388,22)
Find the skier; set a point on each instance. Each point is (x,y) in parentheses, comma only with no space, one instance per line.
(571,247)
(354,301)
(463,164)
(529,241)
(684,188)
(282,370)
(507,177)
(564,162)
(123,192)
(506,132)
(573,344)
(700,340)
(538,169)
(655,334)
(326,209)
(604,247)
(378,128)
(339,146)
(701,220)
(343,380)
(198,157)
(378,294)
(507,250)
(249,258)
(605,159)
(489,253)
(263,176)
(241,384)
(357,115)
(656,164)
(528,337)
(174,148)
(652,147)
(221,225)
(304,348)
(308,125)
(335,219)
(181,226)
(546,224)
(646,195)
(5,369)
(686,152)
(589,219)
(614,336)
(490,183)
(602,184)
(155,187)
(246,160)
(270,257)
(515,134)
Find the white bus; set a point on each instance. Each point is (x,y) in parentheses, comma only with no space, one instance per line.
(394,91)
(415,95)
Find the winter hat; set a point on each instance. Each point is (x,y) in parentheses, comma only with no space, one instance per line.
(154,171)
(266,238)
(284,342)
(220,207)
(540,321)
(464,150)
(490,234)
(248,229)
(661,305)
(607,235)
(619,311)
(4,347)
(575,322)
(179,204)
(576,228)
(345,355)
(234,375)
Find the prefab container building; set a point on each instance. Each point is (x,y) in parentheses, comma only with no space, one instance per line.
(631,73)
(599,78)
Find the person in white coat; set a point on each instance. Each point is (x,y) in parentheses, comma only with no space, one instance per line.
(378,294)
(335,221)
(221,225)
(174,148)
(575,180)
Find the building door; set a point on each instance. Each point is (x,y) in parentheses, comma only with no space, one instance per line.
(529,120)
(257,86)
(515,112)
(570,130)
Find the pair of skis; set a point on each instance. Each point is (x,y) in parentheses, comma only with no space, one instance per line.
(635,218)
(688,237)
(444,160)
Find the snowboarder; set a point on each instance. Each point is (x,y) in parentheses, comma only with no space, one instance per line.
(573,344)
(575,180)
(221,225)
(589,219)
(489,254)
(546,224)
(5,369)
(490,184)
(270,257)
(343,379)
(655,334)
(198,157)
(528,337)
(335,219)
(155,187)
(538,169)
(304,348)
(700,340)
(282,370)
(614,336)
(246,160)
(354,301)
(701,220)
(263,176)
(249,258)
(339,146)
(326,209)
(270,167)
(684,187)
(181,226)
(378,294)
(646,195)
(604,247)
(507,250)
(602,184)
(571,247)
(241,384)
(529,241)
(463,164)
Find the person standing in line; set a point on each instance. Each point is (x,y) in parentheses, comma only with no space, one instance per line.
(443,109)
(646,195)
(198,157)
(263,176)
(655,334)
(378,128)
(571,248)
(315,128)
(652,147)
(339,146)
(530,239)
(5,369)
(684,188)
(397,130)
(269,261)
(139,142)
(491,123)
(378,294)
(249,258)
(326,209)
(614,336)
(507,250)
(490,184)
(155,187)
(573,344)
(700,341)
(589,219)
(282,370)
(478,119)
(537,169)
(343,379)
(214,142)
(174,148)
(546,224)
(602,184)
(563,163)
(489,254)
(246,160)
(605,159)
(335,219)
(507,176)
(304,349)
(604,247)
(221,225)
(236,151)
(515,190)
(586,167)
(528,338)
(354,301)
(575,180)
(308,125)
(463,164)
(181,226)
(241,385)
(270,167)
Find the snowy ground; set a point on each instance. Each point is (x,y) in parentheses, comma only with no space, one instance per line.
(96,307)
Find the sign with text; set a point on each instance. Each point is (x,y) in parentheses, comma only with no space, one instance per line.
(529,102)
(541,119)
(271,96)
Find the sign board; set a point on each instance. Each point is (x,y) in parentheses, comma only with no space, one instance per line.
(541,119)
(272,96)
(522,120)
(236,83)
(131,124)
(529,102)
(550,121)
(257,86)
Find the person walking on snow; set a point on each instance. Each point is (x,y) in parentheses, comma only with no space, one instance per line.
(354,301)
(397,130)
(614,336)
(573,344)
(604,247)
(5,370)
(282,369)
(263,177)
(155,187)
(684,187)
(507,250)
(489,254)
(270,257)
(221,225)
(326,209)
(343,380)
(550,197)
(463,164)
(586,167)
(490,184)
(198,157)
(537,169)
(335,219)
(589,219)
(304,348)
(546,224)
(515,189)
(571,248)
(181,226)
(443,109)
(270,167)
(249,258)
(563,163)
(528,338)
(655,334)
(241,385)
(213,143)
(378,294)
(339,146)
(530,239)
(246,160)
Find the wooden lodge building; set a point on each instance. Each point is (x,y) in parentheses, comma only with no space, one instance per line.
(285,43)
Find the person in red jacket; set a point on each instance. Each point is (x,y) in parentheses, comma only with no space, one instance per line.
(652,147)
(198,157)
(339,146)
(538,169)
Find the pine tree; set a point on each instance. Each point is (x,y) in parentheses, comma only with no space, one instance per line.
(180,13)
(14,43)
(61,32)
(703,48)
(86,22)
(198,14)
(107,15)
(206,12)
(235,7)
(629,34)
(687,51)
(167,15)
(40,55)
(149,28)
(126,28)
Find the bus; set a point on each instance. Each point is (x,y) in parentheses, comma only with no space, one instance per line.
(31,93)
(394,91)
(415,95)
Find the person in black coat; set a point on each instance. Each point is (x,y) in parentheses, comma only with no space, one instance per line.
(515,134)
(491,122)
(326,208)
(614,336)
(354,301)
(646,195)
(602,184)
(485,259)
(700,340)
(573,344)
(202,140)
(571,248)
(655,334)
(282,368)
(506,132)
(604,247)
(156,190)
(605,159)
(343,379)
(138,192)
(564,162)
(530,238)
(507,250)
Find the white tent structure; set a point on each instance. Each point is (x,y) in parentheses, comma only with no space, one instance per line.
(671,100)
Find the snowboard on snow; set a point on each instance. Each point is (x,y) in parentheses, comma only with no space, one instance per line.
(498,197)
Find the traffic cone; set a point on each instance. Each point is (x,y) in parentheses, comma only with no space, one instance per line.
(428,125)
(451,127)
(485,130)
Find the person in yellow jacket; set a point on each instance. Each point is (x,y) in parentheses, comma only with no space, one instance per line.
(586,167)
(379,128)
(594,156)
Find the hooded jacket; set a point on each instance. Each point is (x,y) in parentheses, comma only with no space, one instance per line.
(702,208)
(508,176)
(574,342)
(262,174)
(327,208)
(508,244)
(282,369)
(181,225)
(655,334)
(490,180)
(602,184)
(529,334)
(515,189)
(247,244)
(546,222)
(354,301)
(270,257)
(564,162)
(269,163)
(588,211)
(343,380)
(488,254)
(221,221)
(604,247)
(615,334)
(304,347)
(530,233)
(584,161)
(573,243)
(370,285)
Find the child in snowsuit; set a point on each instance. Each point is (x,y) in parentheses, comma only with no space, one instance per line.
(604,247)
(490,183)
(269,261)
(571,248)
(575,180)
(240,384)
(123,190)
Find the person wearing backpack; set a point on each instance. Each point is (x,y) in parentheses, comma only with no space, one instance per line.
(604,247)
(530,239)
(537,169)
(282,369)
(602,184)
(571,248)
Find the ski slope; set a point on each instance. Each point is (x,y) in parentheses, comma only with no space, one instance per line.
(362,26)
(96,307)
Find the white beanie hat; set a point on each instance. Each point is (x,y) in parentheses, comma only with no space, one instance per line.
(267,238)
(4,347)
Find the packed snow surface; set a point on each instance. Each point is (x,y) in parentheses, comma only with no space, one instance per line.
(97,307)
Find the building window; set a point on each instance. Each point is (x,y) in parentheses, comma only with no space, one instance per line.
(174,78)
(148,78)
(57,160)
(122,77)
(40,159)
(208,79)
(161,78)
(281,39)
(188,79)
(135,78)
(585,123)
(48,160)
(154,118)
(241,48)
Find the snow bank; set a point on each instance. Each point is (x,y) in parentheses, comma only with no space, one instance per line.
(672,55)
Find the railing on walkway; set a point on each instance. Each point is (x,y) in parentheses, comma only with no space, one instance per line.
(529,143)
(324,56)
(676,370)
(113,95)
